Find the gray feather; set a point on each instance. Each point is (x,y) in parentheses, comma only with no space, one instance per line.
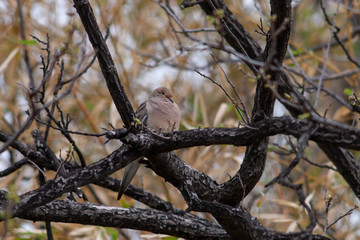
(129,174)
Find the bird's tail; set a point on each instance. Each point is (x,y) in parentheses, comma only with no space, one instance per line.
(129,174)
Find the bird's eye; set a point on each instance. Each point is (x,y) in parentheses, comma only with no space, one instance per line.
(162,93)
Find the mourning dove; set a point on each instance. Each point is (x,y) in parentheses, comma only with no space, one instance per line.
(160,113)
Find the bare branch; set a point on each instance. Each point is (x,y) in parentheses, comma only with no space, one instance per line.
(105,60)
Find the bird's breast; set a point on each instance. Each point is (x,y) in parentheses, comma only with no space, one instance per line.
(163,115)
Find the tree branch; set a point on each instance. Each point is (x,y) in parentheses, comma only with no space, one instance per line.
(63,184)
(186,226)
(106,63)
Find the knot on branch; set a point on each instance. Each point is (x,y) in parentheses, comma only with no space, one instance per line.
(258,116)
(117,133)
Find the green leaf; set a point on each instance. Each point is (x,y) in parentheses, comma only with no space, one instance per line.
(112,232)
(27,42)
(291,65)
(287,96)
(12,194)
(124,204)
(271,148)
(304,116)
(220,13)
(210,19)
(251,80)
(295,53)
(348,92)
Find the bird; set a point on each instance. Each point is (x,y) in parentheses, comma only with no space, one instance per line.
(158,112)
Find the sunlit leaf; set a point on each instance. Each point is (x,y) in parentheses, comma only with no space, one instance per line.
(348,91)
(27,42)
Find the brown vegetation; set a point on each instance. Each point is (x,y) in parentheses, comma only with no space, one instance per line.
(268,143)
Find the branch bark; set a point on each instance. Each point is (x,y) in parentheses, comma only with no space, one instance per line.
(228,195)
(80,177)
(275,50)
(106,63)
(186,225)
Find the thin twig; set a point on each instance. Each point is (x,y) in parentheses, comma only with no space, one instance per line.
(335,34)
(23,37)
(320,165)
(325,59)
(13,167)
(236,92)
(40,170)
(69,131)
(224,90)
(328,200)
(302,143)
(344,215)
(31,117)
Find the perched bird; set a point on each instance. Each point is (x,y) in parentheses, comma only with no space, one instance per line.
(160,113)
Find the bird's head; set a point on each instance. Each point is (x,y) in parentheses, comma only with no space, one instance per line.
(163,92)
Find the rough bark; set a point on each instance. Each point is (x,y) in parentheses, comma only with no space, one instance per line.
(107,65)
(219,200)
(182,225)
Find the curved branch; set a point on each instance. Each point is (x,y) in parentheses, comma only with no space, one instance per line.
(80,177)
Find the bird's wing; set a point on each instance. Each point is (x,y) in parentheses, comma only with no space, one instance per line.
(131,169)
(141,113)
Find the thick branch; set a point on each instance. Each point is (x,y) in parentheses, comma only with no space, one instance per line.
(185,226)
(241,136)
(106,63)
(347,165)
(232,31)
(140,195)
(55,188)
(175,173)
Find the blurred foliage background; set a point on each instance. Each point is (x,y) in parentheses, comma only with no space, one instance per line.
(148,54)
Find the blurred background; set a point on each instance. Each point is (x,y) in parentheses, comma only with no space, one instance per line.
(149,51)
